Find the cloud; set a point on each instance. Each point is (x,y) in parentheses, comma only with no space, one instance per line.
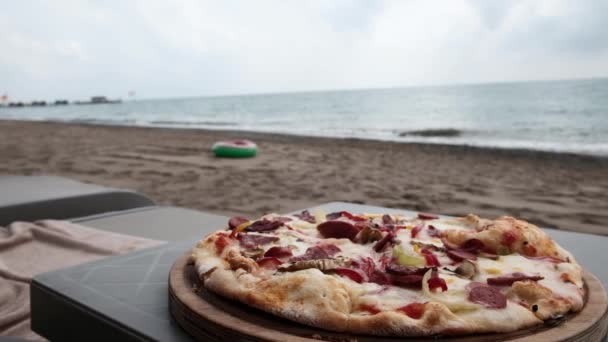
(76,49)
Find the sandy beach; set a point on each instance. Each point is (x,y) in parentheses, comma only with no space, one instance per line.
(176,167)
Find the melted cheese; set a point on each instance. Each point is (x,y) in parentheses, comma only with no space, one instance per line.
(300,235)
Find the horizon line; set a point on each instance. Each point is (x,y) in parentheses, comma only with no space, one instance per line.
(431,85)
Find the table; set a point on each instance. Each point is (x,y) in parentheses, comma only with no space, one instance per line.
(125,297)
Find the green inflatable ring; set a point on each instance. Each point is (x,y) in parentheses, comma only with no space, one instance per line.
(235,149)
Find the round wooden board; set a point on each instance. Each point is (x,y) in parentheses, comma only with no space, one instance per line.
(209,317)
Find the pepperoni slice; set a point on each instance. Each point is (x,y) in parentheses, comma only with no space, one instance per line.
(509,279)
(379,278)
(354,275)
(278,252)
(353,217)
(427,216)
(369,308)
(236,221)
(252,240)
(413,310)
(459,255)
(338,230)
(264,225)
(325,251)
(488,296)
(410,280)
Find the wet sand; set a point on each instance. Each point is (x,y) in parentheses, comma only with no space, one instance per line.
(176,167)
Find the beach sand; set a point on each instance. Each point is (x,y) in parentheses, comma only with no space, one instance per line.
(176,167)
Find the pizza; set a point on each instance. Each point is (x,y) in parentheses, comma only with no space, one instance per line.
(393,275)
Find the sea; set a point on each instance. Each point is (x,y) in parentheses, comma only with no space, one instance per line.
(561,116)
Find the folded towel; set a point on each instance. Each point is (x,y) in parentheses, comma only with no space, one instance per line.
(27,249)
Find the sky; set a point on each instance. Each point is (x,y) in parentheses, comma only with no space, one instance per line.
(77,49)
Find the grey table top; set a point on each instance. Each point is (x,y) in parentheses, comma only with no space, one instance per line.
(129,293)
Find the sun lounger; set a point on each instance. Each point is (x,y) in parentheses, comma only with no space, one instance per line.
(30,198)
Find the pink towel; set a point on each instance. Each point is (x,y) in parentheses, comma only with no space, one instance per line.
(27,249)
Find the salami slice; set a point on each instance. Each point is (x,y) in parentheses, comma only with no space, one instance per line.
(488,296)
(338,230)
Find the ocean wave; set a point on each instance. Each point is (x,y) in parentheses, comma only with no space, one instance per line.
(192,123)
(433,132)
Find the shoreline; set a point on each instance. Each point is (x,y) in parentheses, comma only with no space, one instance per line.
(175,166)
(507,151)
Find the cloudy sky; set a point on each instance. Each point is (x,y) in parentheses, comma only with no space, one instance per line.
(75,49)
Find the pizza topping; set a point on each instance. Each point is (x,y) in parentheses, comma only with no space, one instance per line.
(236,221)
(338,214)
(472,246)
(489,255)
(435,282)
(387,239)
(433,232)
(306,216)
(379,278)
(283,219)
(413,310)
(254,240)
(220,243)
(427,216)
(253,253)
(509,279)
(545,258)
(324,251)
(264,225)
(269,262)
(410,280)
(368,234)
(278,252)
(338,230)
(369,308)
(416,230)
(320,264)
(353,217)
(488,296)
(387,219)
(353,275)
(406,259)
(405,270)
(509,238)
(334,216)
(466,269)
(459,255)
(430,258)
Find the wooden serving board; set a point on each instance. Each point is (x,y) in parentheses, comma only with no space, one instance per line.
(209,317)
